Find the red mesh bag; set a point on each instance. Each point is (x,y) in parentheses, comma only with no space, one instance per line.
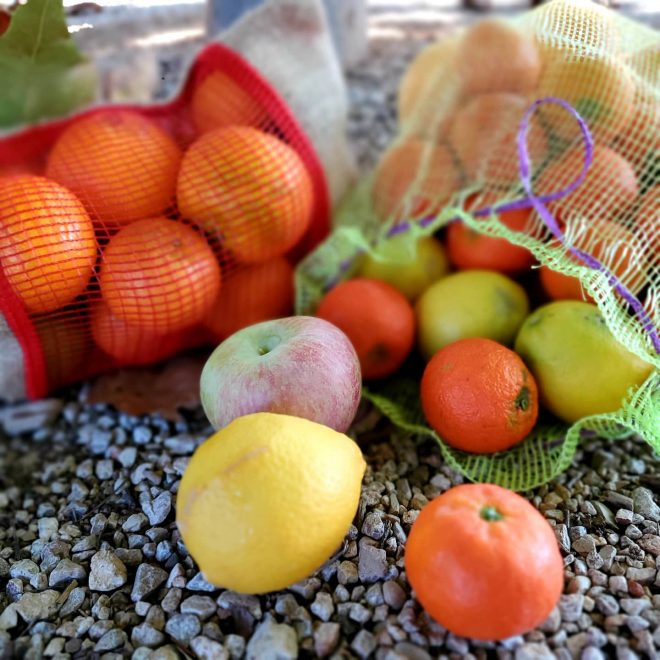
(129,233)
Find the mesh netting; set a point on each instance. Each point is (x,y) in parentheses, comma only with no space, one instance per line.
(571,90)
(130,233)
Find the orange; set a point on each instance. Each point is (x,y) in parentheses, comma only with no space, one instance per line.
(47,244)
(121,165)
(484,563)
(610,185)
(479,396)
(493,56)
(250,295)
(468,249)
(129,344)
(484,132)
(249,187)
(414,178)
(601,89)
(611,244)
(66,346)
(219,101)
(648,222)
(378,320)
(159,275)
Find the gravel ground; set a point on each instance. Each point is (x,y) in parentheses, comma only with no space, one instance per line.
(92,565)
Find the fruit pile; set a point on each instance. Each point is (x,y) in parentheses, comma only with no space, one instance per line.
(127,234)
(516,303)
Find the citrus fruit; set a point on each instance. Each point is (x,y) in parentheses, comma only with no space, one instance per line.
(414,178)
(484,132)
(612,245)
(424,87)
(484,563)
(129,344)
(159,275)
(219,101)
(468,249)
(47,243)
(66,346)
(580,367)
(601,88)
(121,165)
(252,294)
(479,396)
(378,320)
(648,222)
(410,267)
(267,499)
(493,56)
(610,185)
(249,187)
(472,303)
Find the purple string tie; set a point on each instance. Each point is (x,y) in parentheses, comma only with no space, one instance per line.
(538,203)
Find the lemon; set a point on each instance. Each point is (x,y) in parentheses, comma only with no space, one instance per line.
(410,273)
(267,499)
(472,303)
(580,367)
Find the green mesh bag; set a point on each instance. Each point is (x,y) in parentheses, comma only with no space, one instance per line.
(557,111)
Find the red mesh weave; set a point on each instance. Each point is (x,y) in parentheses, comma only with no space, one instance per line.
(128,233)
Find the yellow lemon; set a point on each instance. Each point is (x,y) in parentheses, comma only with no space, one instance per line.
(580,367)
(472,303)
(267,499)
(410,268)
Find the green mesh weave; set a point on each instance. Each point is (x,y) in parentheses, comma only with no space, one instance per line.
(615,86)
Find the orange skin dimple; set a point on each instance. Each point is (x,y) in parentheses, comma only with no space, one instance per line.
(467,249)
(378,320)
(121,165)
(484,563)
(47,242)
(479,396)
(159,275)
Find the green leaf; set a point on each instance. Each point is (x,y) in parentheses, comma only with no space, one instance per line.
(42,72)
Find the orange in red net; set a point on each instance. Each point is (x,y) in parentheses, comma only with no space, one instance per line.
(249,187)
(121,165)
(159,275)
(252,294)
(130,344)
(47,244)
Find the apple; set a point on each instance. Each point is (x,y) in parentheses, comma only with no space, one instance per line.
(299,365)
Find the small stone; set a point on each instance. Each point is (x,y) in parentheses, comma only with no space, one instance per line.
(359,613)
(147,579)
(607,604)
(232,600)
(561,532)
(107,571)
(323,606)
(272,641)
(394,595)
(364,644)
(25,569)
(607,554)
(72,604)
(199,583)
(372,564)
(208,649)
(650,543)
(570,606)
(410,651)
(104,470)
(29,417)
(306,588)
(66,571)
(533,652)
(171,601)
(202,607)
(585,544)
(183,627)
(127,456)
(135,522)
(641,575)
(373,525)
(146,635)
(644,504)
(113,639)
(636,623)
(374,595)
(235,644)
(347,573)
(157,509)
(618,584)
(326,638)
(552,623)
(36,606)
(634,606)
(591,653)
(47,528)
(624,516)
(9,617)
